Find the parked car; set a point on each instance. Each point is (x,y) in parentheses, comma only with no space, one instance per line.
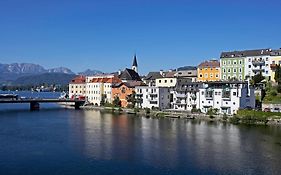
(266,110)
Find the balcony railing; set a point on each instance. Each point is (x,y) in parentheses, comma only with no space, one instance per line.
(180,95)
(258,62)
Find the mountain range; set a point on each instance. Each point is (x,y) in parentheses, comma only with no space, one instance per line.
(34,74)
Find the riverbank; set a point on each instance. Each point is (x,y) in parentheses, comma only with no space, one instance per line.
(243,116)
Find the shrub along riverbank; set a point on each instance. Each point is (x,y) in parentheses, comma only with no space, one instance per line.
(256,117)
(242,116)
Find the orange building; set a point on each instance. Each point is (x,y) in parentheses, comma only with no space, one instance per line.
(209,71)
(124,89)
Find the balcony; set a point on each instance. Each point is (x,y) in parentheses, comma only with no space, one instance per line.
(209,94)
(258,62)
(258,70)
(178,102)
(180,95)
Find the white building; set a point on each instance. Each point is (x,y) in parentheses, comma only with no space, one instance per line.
(258,63)
(77,87)
(99,88)
(185,96)
(226,97)
(153,97)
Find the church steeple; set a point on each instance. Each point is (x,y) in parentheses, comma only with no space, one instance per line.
(135,64)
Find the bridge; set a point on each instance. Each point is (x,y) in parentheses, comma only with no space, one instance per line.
(35,103)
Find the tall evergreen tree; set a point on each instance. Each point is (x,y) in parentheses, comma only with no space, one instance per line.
(277,76)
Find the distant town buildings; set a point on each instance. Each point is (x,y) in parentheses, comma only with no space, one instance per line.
(221,84)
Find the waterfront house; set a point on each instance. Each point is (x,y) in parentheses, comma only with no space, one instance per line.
(185,96)
(77,87)
(124,90)
(208,71)
(153,97)
(226,97)
(99,88)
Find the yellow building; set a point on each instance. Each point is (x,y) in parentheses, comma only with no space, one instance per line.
(208,71)
(275,60)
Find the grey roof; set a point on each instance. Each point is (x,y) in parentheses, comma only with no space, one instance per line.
(153,76)
(129,74)
(276,52)
(187,73)
(245,53)
(135,63)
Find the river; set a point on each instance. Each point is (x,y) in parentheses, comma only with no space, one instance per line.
(66,141)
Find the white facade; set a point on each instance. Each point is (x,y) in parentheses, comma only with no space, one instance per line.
(227,98)
(153,97)
(95,91)
(77,89)
(185,96)
(257,64)
(97,87)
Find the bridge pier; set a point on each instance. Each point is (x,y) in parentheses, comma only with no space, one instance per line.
(34,105)
(77,105)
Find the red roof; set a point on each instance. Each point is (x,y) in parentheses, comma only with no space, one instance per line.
(106,80)
(79,80)
(211,64)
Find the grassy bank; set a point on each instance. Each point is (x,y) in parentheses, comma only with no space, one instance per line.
(254,117)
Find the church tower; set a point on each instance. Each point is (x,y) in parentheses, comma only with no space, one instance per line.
(135,64)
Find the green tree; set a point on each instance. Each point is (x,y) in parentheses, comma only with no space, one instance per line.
(116,101)
(257,78)
(131,99)
(277,76)
(103,100)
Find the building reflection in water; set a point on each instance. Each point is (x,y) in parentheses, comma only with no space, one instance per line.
(173,143)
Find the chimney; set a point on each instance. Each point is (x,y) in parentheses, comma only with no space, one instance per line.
(119,72)
(161,72)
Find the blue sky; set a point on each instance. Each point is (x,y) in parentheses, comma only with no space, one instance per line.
(105,34)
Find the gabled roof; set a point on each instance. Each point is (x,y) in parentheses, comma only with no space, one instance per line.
(106,80)
(153,76)
(129,74)
(130,84)
(210,64)
(78,80)
(245,53)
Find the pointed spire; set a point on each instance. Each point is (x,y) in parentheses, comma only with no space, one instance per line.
(135,63)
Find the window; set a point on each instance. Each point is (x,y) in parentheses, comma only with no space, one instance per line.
(234,93)
(206,75)
(228,70)
(234,70)
(217,75)
(171,81)
(224,70)
(273,62)
(224,62)
(159,81)
(240,70)
(224,77)
(249,60)
(200,75)
(211,75)
(234,103)
(240,62)
(266,59)
(229,62)
(249,66)
(234,62)
(202,93)
(266,72)
(165,81)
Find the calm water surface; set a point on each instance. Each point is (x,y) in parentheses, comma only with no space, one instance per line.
(63,141)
